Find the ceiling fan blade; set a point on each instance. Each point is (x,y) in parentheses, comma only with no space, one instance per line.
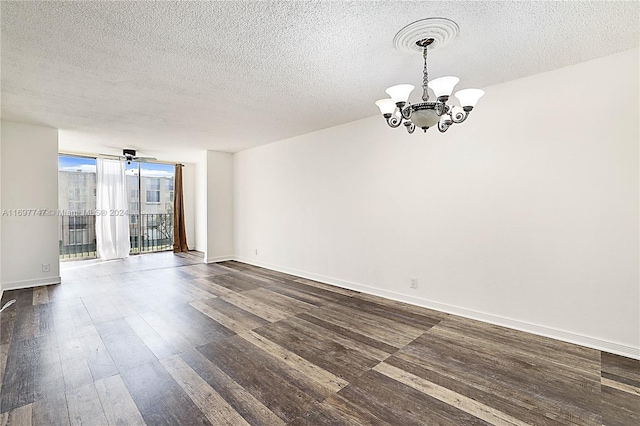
(144,158)
(111,155)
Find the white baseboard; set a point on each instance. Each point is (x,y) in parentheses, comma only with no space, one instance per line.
(218,259)
(565,336)
(17,285)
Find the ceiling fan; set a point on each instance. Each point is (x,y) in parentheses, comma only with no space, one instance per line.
(129,155)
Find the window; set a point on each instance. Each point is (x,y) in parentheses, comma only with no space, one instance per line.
(153,196)
(78,234)
(134,206)
(134,193)
(169,184)
(153,190)
(78,237)
(171,196)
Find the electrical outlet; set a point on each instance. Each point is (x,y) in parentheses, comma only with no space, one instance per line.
(46,267)
(413,282)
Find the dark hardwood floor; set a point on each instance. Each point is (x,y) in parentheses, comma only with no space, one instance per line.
(165,339)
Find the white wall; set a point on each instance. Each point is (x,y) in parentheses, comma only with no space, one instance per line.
(29,181)
(200,204)
(217,178)
(526,215)
(1,290)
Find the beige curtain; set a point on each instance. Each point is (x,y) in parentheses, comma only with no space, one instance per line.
(179,232)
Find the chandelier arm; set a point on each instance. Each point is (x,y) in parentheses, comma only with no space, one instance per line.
(443,126)
(406,111)
(394,121)
(459,117)
(442,108)
(409,126)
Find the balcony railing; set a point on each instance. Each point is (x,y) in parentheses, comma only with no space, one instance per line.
(153,233)
(148,233)
(77,237)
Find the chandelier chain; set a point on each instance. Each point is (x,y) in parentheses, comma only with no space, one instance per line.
(425,78)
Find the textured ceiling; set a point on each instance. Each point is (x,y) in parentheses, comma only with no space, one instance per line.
(173,78)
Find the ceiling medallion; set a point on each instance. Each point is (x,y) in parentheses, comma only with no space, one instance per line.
(441,30)
(423,36)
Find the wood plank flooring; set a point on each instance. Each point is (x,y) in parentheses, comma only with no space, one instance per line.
(164,339)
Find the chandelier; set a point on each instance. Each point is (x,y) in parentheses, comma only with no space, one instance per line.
(425,35)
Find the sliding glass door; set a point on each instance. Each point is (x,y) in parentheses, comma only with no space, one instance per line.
(76,207)
(150,194)
(150,191)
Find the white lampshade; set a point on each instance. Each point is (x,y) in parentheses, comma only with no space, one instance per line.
(469,97)
(443,86)
(400,92)
(387,106)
